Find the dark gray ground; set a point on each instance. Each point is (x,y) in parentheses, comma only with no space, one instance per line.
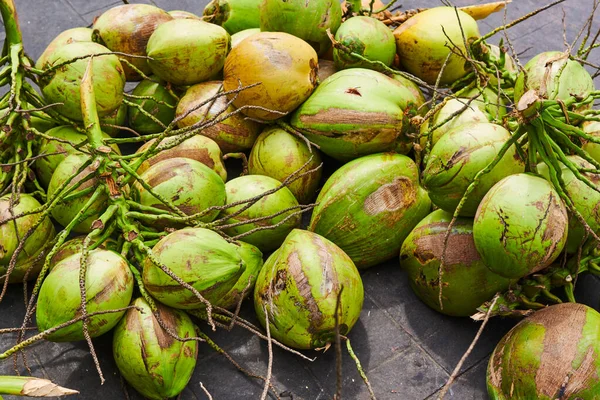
(407,349)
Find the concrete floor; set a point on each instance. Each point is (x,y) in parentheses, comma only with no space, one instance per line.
(407,349)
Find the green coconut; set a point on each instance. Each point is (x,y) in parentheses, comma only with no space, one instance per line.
(299,286)
(282,67)
(161,106)
(278,154)
(198,256)
(199,148)
(250,186)
(369,206)
(467,281)
(584,198)
(554,76)
(127,29)
(64,38)
(236,38)
(108,284)
(458,156)
(592,128)
(367,37)
(187,51)
(253,258)
(190,186)
(63,85)
(422,43)
(75,246)
(233,15)
(521,226)
(110,123)
(233,134)
(307,19)
(12,230)
(358,111)
(553,354)
(57,151)
(151,361)
(65,211)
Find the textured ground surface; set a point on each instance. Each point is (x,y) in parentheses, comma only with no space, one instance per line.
(407,349)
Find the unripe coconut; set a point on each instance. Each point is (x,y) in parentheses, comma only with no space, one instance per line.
(39,241)
(467,282)
(75,246)
(233,134)
(187,51)
(63,85)
(299,286)
(127,29)
(117,118)
(422,43)
(307,19)
(458,156)
(367,37)
(190,185)
(163,109)
(278,154)
(65,212)
(64,38)
(181,14)
(237,38)
(358,111)
(283,67)
(369,206)
(249,186)
(45,166)
(253,258)
(233,15)
(108,284)
(154,363)
(199,148)
(592,128)
(552,79)
(585,199)
(520,226)
(326,69)
(553,354)
(198,256)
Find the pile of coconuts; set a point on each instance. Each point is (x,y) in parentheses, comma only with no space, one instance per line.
(274,150)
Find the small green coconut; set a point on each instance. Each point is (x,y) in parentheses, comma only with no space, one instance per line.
(161,106)
(233,15)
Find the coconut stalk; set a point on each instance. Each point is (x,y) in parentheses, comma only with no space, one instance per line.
(32,387)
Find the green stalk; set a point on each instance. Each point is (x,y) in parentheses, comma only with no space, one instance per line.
(33,387)
(11,22)
(88,109)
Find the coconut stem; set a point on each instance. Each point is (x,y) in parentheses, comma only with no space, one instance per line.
(31,386)
(11,22)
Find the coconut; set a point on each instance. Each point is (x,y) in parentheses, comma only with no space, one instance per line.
(45,166)
(236,38)
(190,186)
(458,156)
(27,262)
(467,281)
(592,128)
(358,111)
(584,198)
(553,354)
(154,363)
(233,15)
(64,38)
(278,154)
(233,134)
(554,76)
(369,206)
(161,106)
(367,37)
(75,246)
(520,226)
(283,67)
(117,118)
(63,85)
(248,187)
(307,19)
(299,286)
(108,284)
(187,51)
(198,256)
(199,148)
(65,212)
(127,29)
(422,43)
